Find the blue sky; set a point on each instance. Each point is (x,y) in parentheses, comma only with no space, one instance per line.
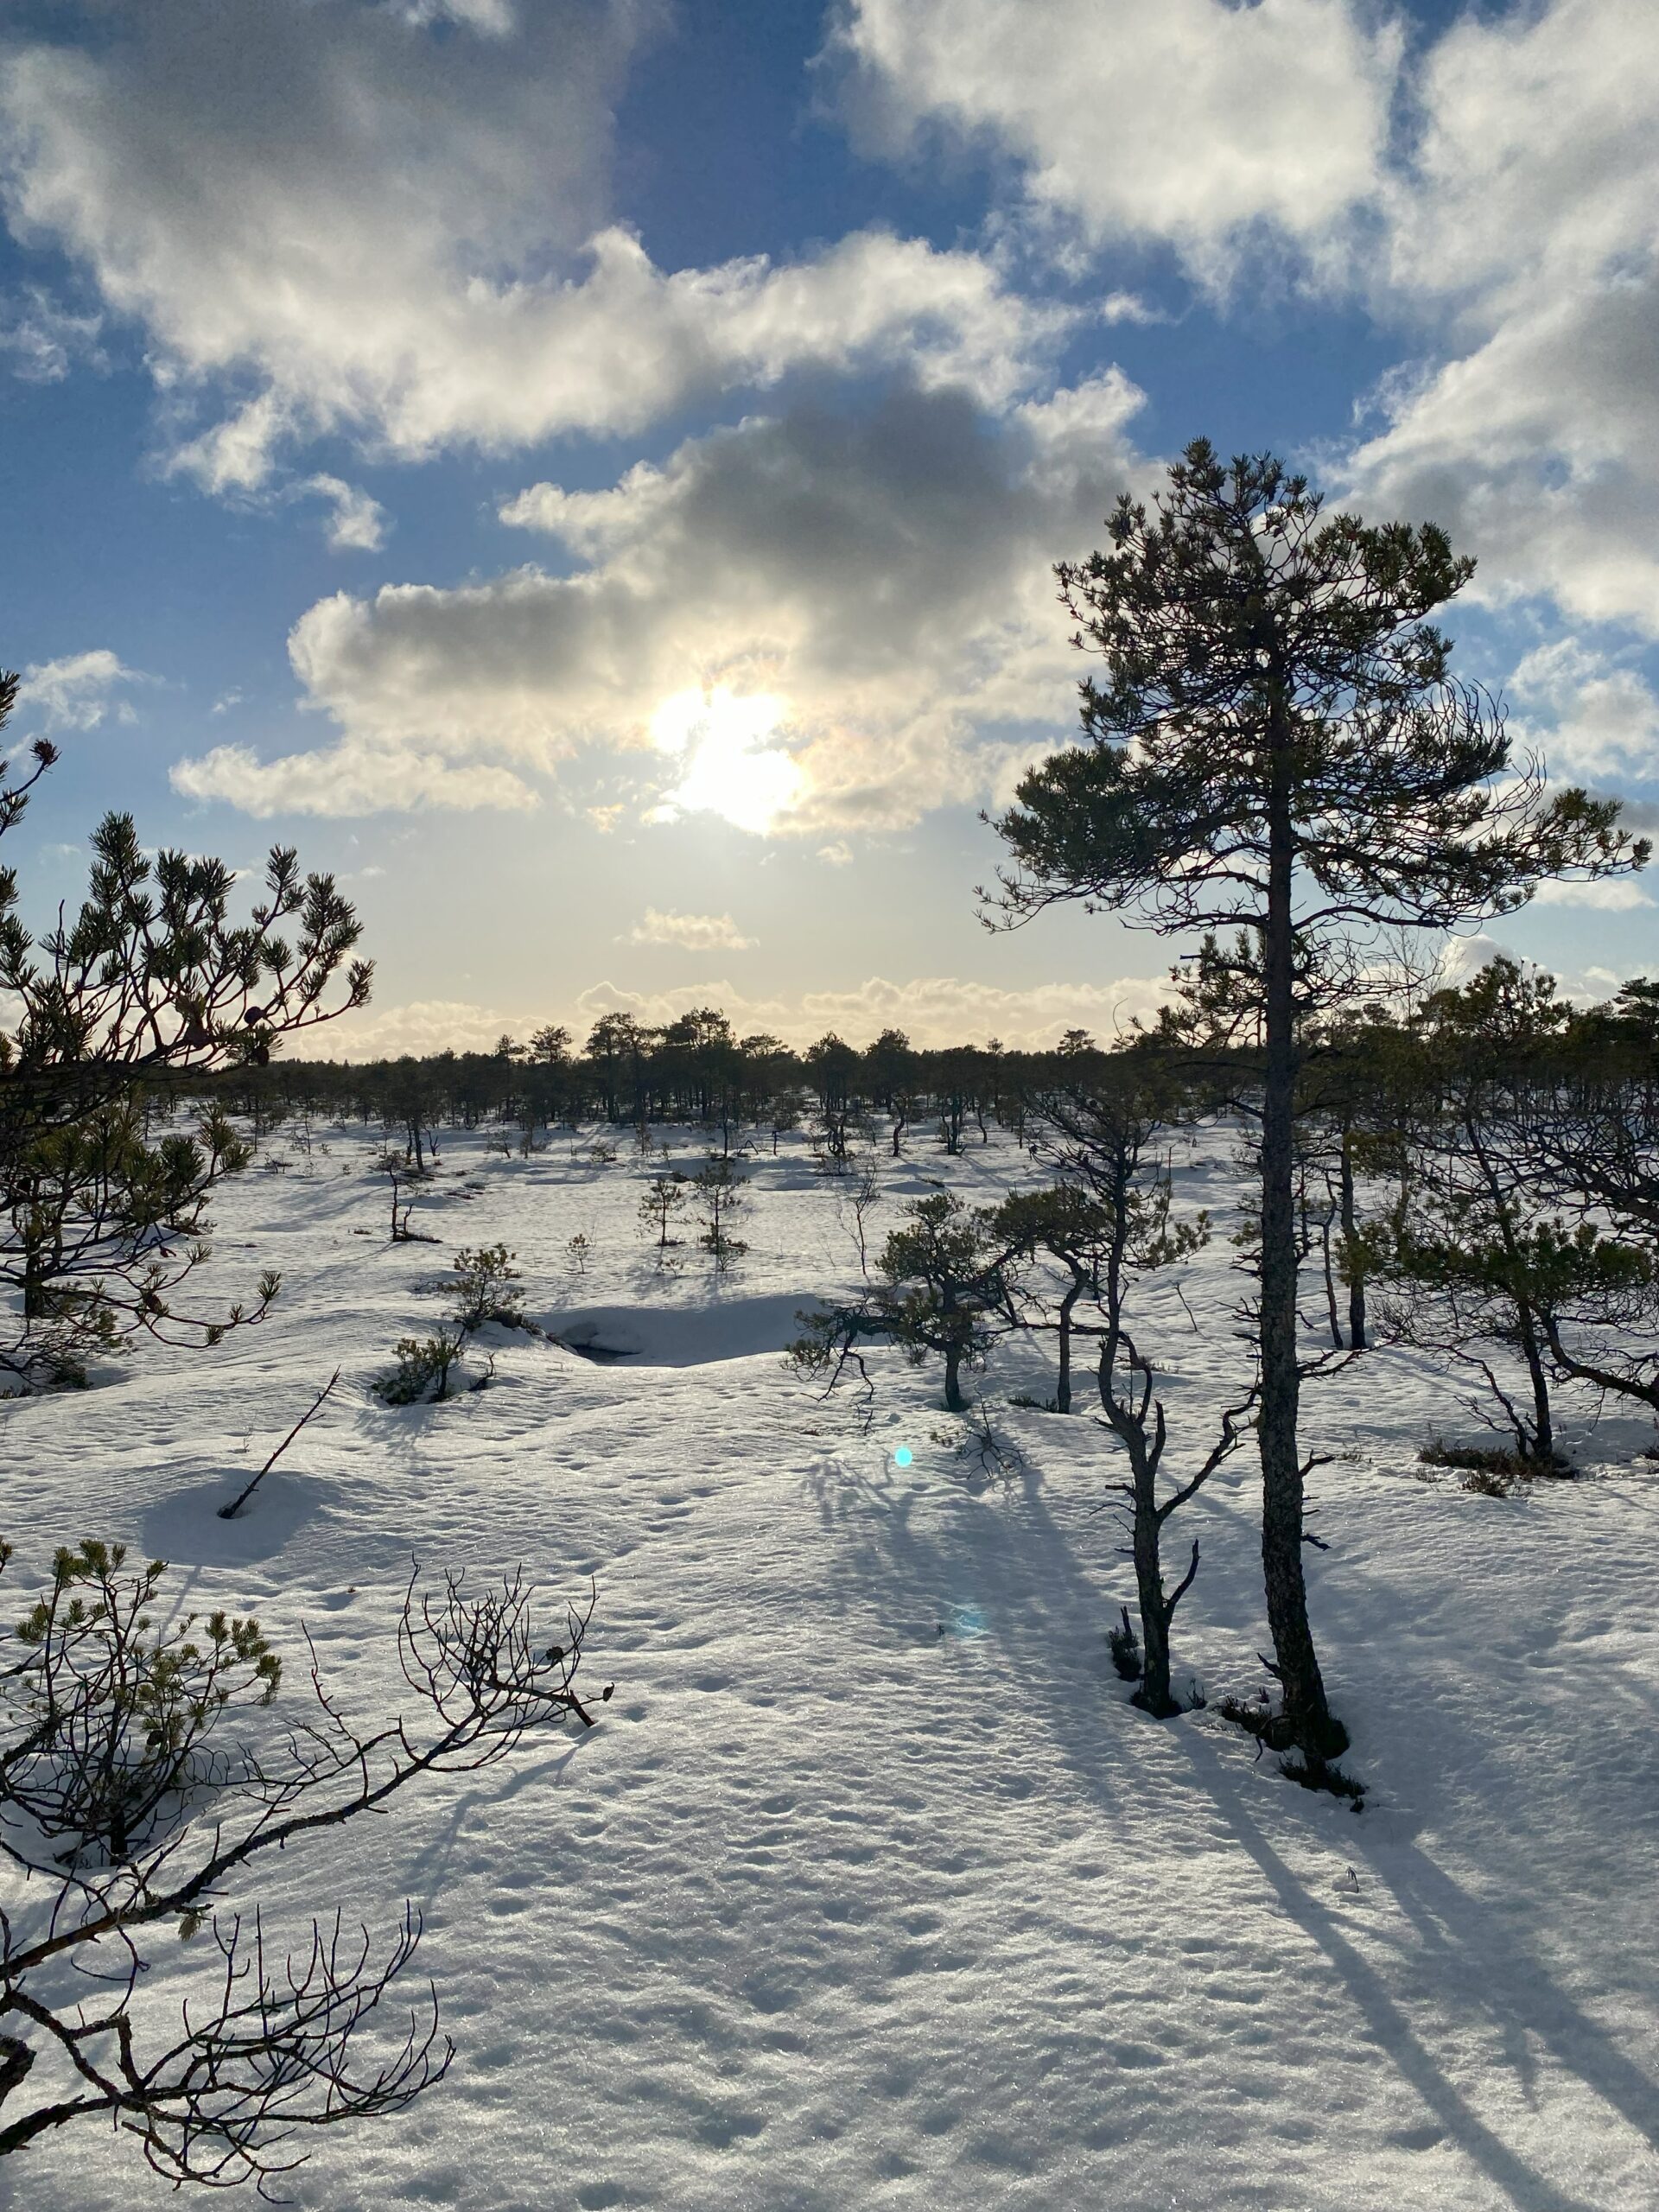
(586,471)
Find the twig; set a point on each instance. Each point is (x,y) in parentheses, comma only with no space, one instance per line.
(229,1512)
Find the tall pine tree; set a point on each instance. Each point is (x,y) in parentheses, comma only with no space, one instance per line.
(1279,752)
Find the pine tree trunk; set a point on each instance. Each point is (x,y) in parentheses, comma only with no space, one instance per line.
(1543,1428)
(1062,1381)
(1330,1284)
(1350,1234)
(1302,1687)
(953,1397)
(35,1277)
(1154,1692)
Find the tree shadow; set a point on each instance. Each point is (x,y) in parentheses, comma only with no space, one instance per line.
(910,1543)
(1517,1992)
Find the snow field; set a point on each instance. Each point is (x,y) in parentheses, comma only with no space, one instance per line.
(870,1889)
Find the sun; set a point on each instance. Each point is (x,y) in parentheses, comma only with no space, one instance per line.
(727,767)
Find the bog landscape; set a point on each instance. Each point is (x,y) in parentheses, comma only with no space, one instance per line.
(985,1541)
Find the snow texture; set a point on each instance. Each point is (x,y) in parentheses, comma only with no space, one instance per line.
(871,1889)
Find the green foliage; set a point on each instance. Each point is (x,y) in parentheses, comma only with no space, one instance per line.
(1078,1226)
(149,980)
(483,1288)
(1463,1252)
(938,1297)
(106,1716)
(424,1364)
(943,1274)
(720,1194)
(1262,659)
(663,1201)
(1125,1648)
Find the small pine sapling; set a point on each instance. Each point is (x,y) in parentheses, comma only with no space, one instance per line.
(1124,1646)
(863,1194)
(662,1204)
(719,1186)
(483,1288)
(942,1288)
(111,1714)
(392,1165)
(424,1369)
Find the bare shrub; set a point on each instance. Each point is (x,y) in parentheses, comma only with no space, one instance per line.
(105,1723)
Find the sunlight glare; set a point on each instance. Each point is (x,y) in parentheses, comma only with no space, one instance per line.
(727,768)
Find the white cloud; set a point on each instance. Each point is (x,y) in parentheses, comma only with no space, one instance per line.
(1535,448)
(1619,895)
(1193,122)
(396,222)
(496,17)
(1534,143)
(1590,712)
(1521,234)
(1129,307)
(1462,958)
(803,620)
(421,1026)
(1493,197)
(413,243)
(695,932)
(75,691)
(358,523)
(933,1011)
(346,780)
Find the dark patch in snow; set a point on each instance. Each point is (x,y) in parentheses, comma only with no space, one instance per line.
(682,1336)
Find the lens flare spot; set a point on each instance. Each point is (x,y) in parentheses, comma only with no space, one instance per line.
(903,1456)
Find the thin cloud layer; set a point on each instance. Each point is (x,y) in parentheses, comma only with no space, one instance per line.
(356,523)
(694,932)
(851,598)
(40,340)
(1621,896)
(933,1011)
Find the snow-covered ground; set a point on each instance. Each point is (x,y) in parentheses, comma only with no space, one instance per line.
(870,1888)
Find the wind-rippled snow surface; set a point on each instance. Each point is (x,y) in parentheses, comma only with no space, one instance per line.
(870,1889)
